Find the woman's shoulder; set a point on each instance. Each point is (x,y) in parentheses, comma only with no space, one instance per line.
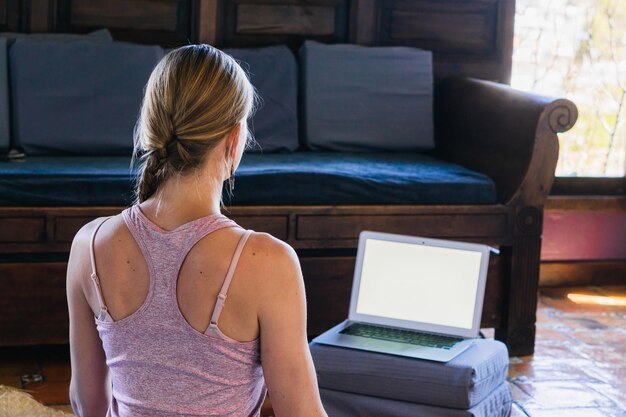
(268,248)
(273,259)
(82,239)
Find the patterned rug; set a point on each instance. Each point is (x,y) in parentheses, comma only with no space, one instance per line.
(18,403)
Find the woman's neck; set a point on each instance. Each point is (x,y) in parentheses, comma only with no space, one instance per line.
(182,199)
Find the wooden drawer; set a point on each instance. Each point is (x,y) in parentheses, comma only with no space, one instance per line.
(22,229)
(277,226)
(66,227)
(433,225)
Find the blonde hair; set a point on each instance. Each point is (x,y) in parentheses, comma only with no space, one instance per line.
(195,96)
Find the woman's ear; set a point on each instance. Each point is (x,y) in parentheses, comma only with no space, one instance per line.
(233,138)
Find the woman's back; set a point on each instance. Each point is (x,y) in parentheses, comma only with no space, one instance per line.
(173,334)
(160,333)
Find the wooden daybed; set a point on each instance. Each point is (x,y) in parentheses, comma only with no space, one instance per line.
(510,136)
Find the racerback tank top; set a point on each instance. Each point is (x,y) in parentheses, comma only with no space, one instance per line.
(159,364)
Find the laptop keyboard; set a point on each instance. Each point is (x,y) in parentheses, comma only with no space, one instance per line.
(402,336)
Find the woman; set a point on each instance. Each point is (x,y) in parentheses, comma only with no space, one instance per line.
(193,314)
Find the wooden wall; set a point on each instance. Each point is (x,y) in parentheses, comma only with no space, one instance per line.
(468,37)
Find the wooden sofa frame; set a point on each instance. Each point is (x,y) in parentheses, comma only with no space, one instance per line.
(489,127)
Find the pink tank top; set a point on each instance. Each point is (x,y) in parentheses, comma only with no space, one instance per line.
(159,364)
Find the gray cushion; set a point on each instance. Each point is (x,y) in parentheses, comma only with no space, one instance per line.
(100,35)
(359,98)
(273,72)
(5,118)
(460,383)
(343,404)
(77,97)
(7,39)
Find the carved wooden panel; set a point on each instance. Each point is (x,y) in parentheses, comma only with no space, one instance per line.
(269,22)
(10,15)
(285,19)
(166,22)
(453,27)
(467,37)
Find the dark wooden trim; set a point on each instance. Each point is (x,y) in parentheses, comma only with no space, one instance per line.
(589,186)
(504,38)
(12,15)
(363,25)
(586,203)
(582,273)
(41,15)
(207,18)
(518,327)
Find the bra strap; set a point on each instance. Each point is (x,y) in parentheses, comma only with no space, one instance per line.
(221,298)
(94,275)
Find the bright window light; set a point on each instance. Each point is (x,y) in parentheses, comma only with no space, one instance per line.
(577,49)
(597,299)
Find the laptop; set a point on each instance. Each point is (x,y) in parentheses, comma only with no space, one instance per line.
(414,296)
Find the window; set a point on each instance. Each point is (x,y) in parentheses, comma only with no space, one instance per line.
(577,49)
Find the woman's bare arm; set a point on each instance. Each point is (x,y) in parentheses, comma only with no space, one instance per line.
(285,355)
(90,387)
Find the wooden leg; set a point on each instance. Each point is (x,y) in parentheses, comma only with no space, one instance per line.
(520,307)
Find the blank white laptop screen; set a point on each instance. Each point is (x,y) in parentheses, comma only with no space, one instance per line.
(419,283)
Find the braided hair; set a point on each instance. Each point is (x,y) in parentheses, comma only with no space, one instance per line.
(194,97)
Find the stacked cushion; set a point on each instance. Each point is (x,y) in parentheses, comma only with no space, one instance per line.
(460,383)
(361,383)
(347,404)
(273,72)
(358,98)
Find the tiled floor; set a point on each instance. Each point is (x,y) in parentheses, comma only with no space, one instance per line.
(578,369)
(579,365)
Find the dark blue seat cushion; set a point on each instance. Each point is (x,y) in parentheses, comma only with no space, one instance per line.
(299,178)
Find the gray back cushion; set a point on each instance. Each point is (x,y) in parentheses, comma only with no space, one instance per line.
(358,98)
(273,72)
(77,97)
(5,137)
(100,35)
(7,39)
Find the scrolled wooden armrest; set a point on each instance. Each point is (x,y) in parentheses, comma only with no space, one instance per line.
(507,134)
